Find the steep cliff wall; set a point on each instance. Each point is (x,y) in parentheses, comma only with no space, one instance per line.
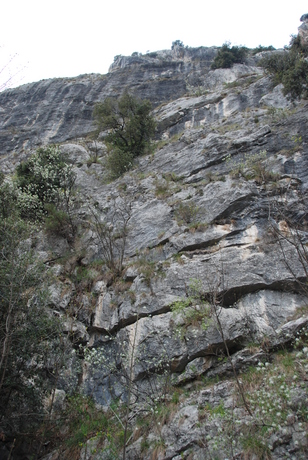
(214,261)
(53,111)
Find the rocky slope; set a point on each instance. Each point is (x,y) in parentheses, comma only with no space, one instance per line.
(211,264)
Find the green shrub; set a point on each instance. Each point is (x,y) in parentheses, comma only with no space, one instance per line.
(227,56)
(162,188)
(118,163)
(84,420)
(177,43)
(260,49)
(289,68)
(57,222)
(45,178)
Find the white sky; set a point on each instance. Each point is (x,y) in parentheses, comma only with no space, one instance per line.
(65,38)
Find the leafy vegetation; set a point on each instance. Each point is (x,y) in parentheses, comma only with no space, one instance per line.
(45,189)
(253,167)
(130,128)
(45,178)
(177,43)
(227,56)
(290,68)
(84,420)
(260,49)
(32,352)
(272,390)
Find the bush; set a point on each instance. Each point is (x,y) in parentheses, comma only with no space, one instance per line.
(260,49)
(289,68)
(118,163)
(57,222)
(295,80)
(177,43)
(227,56)
(45,178)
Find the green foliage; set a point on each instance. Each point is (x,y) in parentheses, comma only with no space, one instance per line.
(30,349)
(8,198)
(45,178)
(260,49)
(177,43)
(272,390)
(84,420)
(227,56)
(57,222)
(130,128)
(147,269)
(194,309)
(219,410)
(163,188)
(290,68)
(253,167)
(118,163)
(255,447)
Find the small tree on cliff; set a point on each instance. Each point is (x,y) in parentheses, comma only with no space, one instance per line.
(130,128)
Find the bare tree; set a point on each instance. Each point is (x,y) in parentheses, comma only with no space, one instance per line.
(112,230)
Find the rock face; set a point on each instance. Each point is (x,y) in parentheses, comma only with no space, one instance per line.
(54,111)
(212,264)
(303,30)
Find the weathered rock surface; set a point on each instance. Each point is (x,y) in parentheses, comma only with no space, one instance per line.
(212,207)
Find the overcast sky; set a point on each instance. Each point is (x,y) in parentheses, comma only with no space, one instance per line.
(65,38)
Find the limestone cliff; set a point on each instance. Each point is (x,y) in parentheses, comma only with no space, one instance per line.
(210,207)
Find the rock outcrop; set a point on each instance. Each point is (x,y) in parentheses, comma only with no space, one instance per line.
(303,30)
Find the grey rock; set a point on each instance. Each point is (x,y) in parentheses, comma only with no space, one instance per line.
(54,455)
(275,98)
(76,153)
(60,294)
(106,314)
(182,432)
(76,330)
(303,30)
(89,450)
(58,403)
(152,223)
